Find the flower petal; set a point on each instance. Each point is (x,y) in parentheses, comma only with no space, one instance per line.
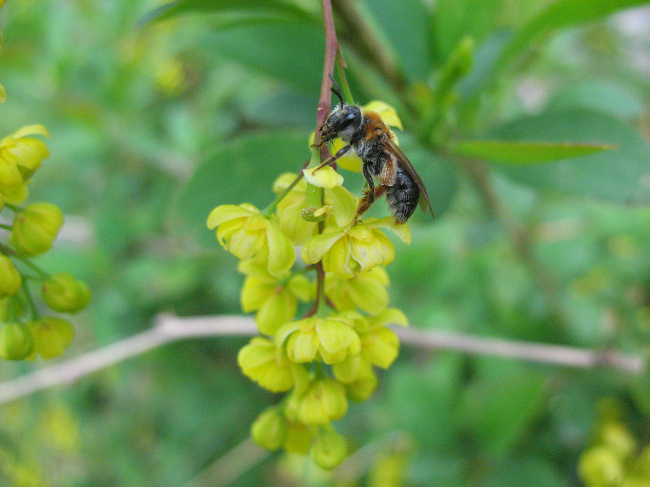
(344,204)
(367,254)
(324,177)
(224,213)
(402,230)
(334,335)
(301,287)
(302,347)
(337,259)
(349,161)
(281,252)
(368,294)
(256,291)
(245,244)
(316,246)
(277,310)
(36,129)
(380,346)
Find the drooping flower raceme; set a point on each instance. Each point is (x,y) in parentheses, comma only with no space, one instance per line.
(24,333)
(321,355)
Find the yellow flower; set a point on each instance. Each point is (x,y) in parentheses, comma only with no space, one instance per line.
(343,208)
(379,347)
(329,449)
(362,388)
(21,156)
(320,401)
(65,294)
(265,363)
(16,196)
(51,336)
(16,341)
(35,228)
(333,338)
(325,177)
(366,291)
(275,300)
(270,428)
(10,279)
(288,210)
(244,232)
(357,248)
(299,437)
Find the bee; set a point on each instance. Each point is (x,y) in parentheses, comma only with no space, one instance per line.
(370,138)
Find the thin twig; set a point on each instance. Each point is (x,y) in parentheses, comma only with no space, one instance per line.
(231,466)
(169,328)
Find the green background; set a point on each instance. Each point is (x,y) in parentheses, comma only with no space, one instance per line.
(155,118)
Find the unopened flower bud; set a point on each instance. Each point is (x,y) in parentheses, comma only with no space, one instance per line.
(51,336)
(270,428)
(16,341)
(63,293)
(299,438)
(323,401)
(35,228)
(362,388)
(600,465)
(266,364)
(10,280)
(329,449)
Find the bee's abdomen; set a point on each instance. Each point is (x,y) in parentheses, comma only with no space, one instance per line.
(403,196)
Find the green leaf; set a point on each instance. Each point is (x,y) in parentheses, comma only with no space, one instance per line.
(619,175)
(290,52)
(271,8)
(501,402)
(529,471)
(455,19)
(521,152)
(558,15)
(606,97)
(242,171)
(562,14)
(404,24)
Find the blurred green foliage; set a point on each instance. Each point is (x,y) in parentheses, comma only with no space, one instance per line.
(155,122)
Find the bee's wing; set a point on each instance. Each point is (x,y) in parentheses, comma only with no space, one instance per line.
(403,161)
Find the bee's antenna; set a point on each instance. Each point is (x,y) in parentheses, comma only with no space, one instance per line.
(337,91)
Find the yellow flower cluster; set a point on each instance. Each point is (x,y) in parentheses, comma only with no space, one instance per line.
(614,458)
(23,332)
(327,357)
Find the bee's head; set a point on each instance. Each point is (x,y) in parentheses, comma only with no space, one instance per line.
(343,122)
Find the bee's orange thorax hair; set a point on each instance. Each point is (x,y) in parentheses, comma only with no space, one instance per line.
(375,126)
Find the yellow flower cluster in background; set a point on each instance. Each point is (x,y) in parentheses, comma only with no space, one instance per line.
(24,333)
(325,356)
(615,457)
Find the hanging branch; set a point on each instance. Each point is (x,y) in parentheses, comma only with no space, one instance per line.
(169,328)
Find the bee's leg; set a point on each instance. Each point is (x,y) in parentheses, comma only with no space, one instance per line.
(370,194)
(368,198)
(341,152)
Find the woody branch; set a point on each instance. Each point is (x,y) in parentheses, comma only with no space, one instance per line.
(169,328)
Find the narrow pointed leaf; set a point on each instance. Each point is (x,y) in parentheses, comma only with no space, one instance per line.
(525,152)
